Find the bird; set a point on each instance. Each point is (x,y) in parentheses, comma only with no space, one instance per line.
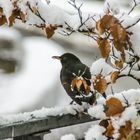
(75,78)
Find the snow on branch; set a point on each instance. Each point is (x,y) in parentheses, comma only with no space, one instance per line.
(43,15)
(48,17)
(117,117)
(42,113)
(117,37)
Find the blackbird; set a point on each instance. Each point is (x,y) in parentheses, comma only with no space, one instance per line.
(75,78)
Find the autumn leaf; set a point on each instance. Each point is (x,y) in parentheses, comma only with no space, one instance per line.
(104,123)
(104,47)
(13,16)
(1,12)
(108,126)
(76,83)
(23,16)
(79,84)
(119,37)
(113,107)
(50,30)
(3,20)
(125,131)
(118,32)
(100,84)
(110,130)
(105,23)
(114,76)
(119,63)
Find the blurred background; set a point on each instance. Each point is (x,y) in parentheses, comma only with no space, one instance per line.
(29,77)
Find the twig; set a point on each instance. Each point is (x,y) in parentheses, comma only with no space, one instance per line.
(73,3)
(126,101)
(38,26)
(133,24)
(136,60)
(36,13)
(112,90)
(135,4)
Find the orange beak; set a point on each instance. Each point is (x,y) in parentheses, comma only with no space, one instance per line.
(57,57)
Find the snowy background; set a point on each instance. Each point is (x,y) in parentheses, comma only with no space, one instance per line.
(35,82)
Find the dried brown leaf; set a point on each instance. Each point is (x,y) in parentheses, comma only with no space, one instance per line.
(114,76)
(110,130)
(113,107)
(50,30)
(12,18)
(119,63)
(100,84)
(104,47)
(1,11)
(105,23)
(118,32)
(23,17)
(3,20)
(125,131)
(79,84)
(108,126)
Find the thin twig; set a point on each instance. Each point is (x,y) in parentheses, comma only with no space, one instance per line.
(36,13)
(136,60)
(133,24)
(126,101)
(135,4)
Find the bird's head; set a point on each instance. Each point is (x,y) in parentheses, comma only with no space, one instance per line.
(67,59)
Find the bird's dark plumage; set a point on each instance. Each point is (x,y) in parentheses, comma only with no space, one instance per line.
(75,78)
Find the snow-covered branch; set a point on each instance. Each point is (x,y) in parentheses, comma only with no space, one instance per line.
(117,37)
(43,15)
(112,116)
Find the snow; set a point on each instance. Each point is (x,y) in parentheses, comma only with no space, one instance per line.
(77,130)
(101,66)
(97,111)
(68,137)
(7,7)
(37,114)
(42,113)
(55,15)
(137,1)
(38,75)
(130,114)
(132,95)
(9,34)
(135,29)
(95,132)
(113,5)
